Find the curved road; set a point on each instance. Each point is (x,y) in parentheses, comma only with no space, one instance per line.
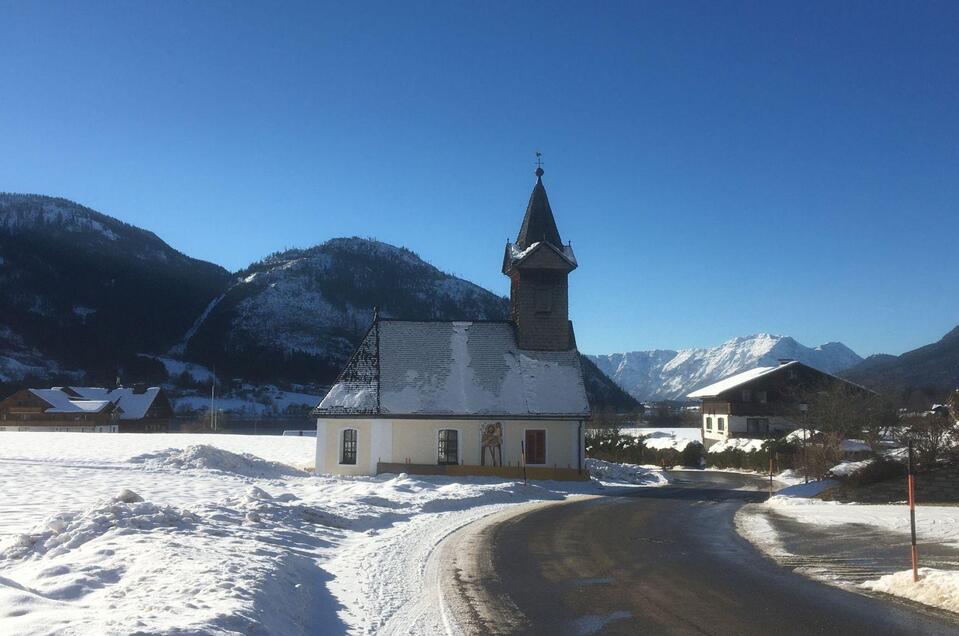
(659,561)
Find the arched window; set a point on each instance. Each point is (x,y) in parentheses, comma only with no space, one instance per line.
(448,449)
(348,446)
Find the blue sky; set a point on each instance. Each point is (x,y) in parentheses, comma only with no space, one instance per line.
(720,168)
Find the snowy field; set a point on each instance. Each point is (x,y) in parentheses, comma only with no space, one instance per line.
(934,525)
(226,534)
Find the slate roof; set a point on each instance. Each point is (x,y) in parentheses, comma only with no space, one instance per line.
(407,368)
(538,224)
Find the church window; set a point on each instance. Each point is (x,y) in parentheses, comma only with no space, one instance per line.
(535,446)
(348,446)
(448,450)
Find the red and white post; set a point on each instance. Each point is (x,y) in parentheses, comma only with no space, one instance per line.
(911,484)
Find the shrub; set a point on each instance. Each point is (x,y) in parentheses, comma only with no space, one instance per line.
(880,469)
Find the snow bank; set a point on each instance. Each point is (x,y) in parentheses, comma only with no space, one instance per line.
(677,438)
(609,472)
(801,491)
(219,537)
(64,532)
(744,444)
(846,469)
(211,458)
(939,588)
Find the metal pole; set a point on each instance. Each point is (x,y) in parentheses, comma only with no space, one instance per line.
(805,463)
(522,457)
(911,483)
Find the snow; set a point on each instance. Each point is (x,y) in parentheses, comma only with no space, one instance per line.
(60,402)
(744,444)
(612,473)
(939,588)
(934,525)
(212,458)
(845,469)
(671,375)
(664,438)
(341,395)
(170,534)
(732,382)
(264,400)
(175,368)
(180,347)
(459,368)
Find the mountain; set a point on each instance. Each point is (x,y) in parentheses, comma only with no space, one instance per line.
(84,291)
(933,366)
(87,297)
(670,375)
(296,315)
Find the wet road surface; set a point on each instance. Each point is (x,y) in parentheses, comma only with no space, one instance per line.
(669,561)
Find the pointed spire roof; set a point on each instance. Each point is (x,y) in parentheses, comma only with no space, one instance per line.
(538,224)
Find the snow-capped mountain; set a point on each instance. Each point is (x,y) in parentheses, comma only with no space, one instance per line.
(670,375)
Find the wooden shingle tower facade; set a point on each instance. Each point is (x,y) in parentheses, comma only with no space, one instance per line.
(538,265)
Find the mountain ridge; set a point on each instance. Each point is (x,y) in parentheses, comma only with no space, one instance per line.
(665,374)
(292,317)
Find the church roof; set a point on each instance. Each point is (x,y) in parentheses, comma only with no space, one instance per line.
(455,369)
(538,224)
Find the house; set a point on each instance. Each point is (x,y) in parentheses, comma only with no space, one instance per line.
(758,403)
(87,409)
(54,410)
(469,397)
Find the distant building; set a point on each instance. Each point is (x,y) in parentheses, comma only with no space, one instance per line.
(757,403)
(87,409)
(469,397)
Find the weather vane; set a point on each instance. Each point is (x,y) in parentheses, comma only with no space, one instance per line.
(539,159)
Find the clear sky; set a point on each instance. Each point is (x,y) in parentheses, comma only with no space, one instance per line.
(721,168)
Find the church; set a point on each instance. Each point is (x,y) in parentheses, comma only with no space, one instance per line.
(503,398)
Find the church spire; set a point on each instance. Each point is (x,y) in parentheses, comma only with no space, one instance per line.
(539,226)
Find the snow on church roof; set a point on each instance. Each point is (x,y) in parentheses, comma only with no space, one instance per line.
(456,369)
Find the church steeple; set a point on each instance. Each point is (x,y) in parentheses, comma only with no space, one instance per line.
(538,224)
(538,265)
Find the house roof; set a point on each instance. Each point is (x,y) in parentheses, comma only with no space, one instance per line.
(407,368)
(744,377)
(134,405)
(736,380)
(60,402)
(538,224)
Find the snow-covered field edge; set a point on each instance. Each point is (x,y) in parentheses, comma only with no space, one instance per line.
(937,524)
(162,534)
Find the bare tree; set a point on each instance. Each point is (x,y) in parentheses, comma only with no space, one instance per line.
(931,434)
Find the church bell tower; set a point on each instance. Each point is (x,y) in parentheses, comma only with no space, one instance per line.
(538,265)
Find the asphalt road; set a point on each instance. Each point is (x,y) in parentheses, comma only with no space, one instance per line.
(664,561)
